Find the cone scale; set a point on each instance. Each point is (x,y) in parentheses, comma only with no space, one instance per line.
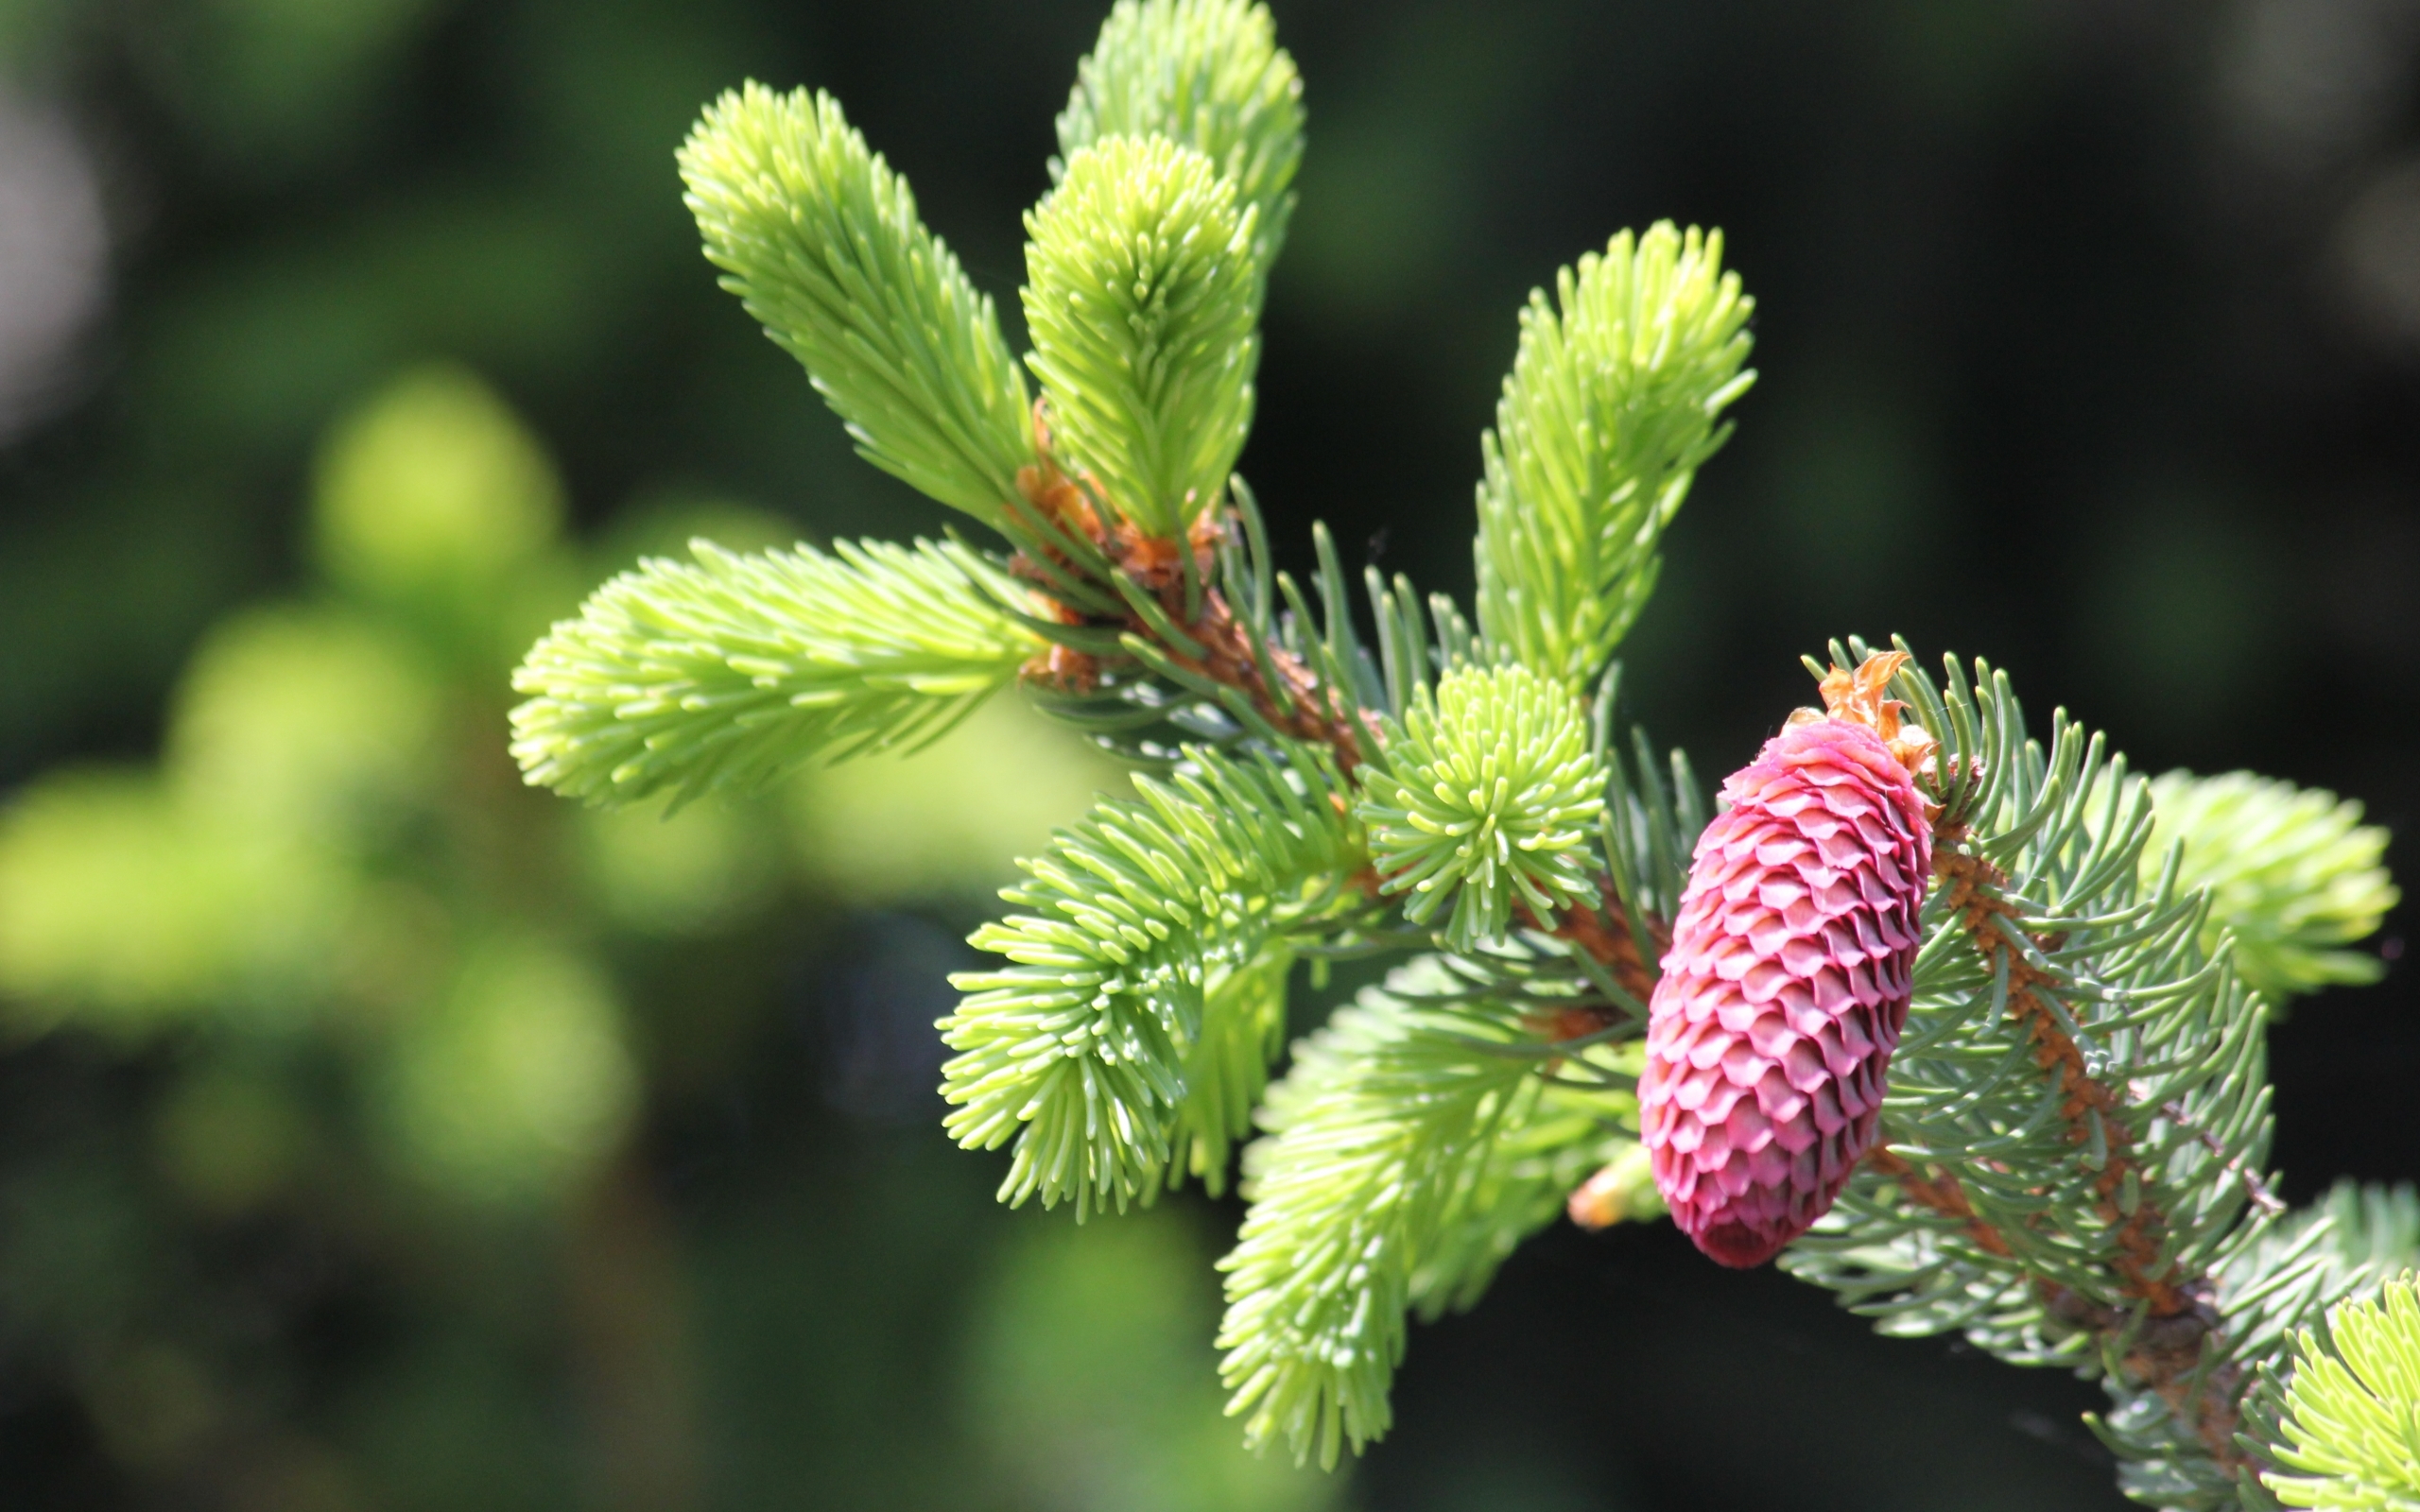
(1787,981)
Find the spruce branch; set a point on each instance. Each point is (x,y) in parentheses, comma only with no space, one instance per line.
(2292,874)
(733,671)
(1239,668)
(2342,1248)
(1612,405)
(1207,73)
(2077,1100)
(1651,822)
(2077,1120)
(820,240)
(1939,1193)
(1139,297)
(1142,920)
(2372,1231)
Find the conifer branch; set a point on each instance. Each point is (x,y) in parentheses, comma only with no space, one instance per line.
(1527,1174)
(1279,685)
(2094,1112)
(2350,1405)
(1488,796)
(2095,1218)
(1375,1129)
(1607,935)
(2255,1187)
(1417,1140)
(1651,822)
(1243,1032)
(2076,1114)
(1939,1193)
(1225,666)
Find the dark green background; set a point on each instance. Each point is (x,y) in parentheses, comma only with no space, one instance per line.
(2069,360)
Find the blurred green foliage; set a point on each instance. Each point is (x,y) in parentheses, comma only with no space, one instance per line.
(1092,1376)
(391,990)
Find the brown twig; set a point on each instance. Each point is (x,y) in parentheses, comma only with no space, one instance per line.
(1298,705)
(1603,932)
(2169,1345)
(1974,891)
(2165,1352)
(2255,1188)
(1944,1195)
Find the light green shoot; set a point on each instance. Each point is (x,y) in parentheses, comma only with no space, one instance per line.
(2353,1409)
(1490,796)
(821,241)
(2293,874)
(734,671)
(1208,74)
(1613,404)
(1139,296)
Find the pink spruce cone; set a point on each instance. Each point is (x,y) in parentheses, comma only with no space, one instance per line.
(1787,981)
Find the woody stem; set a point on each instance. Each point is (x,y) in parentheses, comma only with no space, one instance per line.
(2181,1325)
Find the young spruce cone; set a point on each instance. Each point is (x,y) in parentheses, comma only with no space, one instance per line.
(1787,980)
